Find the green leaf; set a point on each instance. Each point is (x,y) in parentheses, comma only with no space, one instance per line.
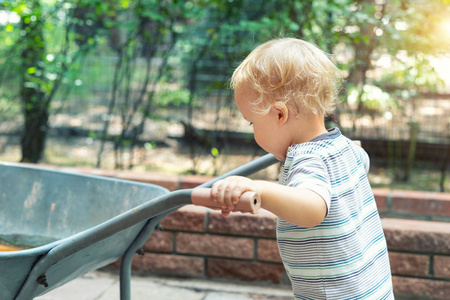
(153,15)
(150,146)
(215,152)
(31,70)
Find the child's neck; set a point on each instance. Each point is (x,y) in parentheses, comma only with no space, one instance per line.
(306,128)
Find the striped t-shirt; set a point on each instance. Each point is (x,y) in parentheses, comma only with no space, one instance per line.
(344,257)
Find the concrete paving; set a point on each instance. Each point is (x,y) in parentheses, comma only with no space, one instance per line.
(100,285)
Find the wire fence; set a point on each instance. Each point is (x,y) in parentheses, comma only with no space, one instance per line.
(423,121)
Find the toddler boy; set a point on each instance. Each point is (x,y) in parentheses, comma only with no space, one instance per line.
(329,232)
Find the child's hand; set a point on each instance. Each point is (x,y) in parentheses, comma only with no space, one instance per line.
(228,191)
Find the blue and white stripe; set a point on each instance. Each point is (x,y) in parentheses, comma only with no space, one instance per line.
(345,257)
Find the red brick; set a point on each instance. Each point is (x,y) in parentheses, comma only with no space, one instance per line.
(381,196)
(421,288)
(170,264)
(192,181)
(215,245)
(89,171)
(262,224)
(442,267)
(170,182)
(244,270)
(187,218)
(409,264)
(421,203)
(417,236)
(160,241)
(268,250)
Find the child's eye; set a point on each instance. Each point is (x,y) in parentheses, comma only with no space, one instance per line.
(251,123)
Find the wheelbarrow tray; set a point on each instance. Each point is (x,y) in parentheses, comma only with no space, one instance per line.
(40,205)
(78,223)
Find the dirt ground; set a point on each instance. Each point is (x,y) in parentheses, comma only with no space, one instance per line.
(174,159)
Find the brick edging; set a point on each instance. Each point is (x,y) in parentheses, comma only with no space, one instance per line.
(418,205)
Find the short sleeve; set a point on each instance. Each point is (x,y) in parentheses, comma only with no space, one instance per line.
(364,157)
(310,172)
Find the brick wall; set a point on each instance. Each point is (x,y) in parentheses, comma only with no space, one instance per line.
(430,206)
(197,242)
(201,243)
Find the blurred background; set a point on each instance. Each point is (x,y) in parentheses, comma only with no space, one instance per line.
(143,85)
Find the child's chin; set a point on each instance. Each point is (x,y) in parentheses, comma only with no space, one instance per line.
(280,157)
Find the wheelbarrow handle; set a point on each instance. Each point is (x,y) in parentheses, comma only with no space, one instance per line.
(249,202)
(247,169)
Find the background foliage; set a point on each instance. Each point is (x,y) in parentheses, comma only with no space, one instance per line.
(146,61)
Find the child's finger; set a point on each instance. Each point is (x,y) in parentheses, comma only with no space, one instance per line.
(235,190)
(221,193)
(227,192)
(214,190)
(236,194)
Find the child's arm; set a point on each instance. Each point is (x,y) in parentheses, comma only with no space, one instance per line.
(298,206)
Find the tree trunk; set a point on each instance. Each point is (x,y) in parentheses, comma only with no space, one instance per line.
(34,101)
(34,134)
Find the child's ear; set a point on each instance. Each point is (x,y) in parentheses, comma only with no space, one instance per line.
(282,112)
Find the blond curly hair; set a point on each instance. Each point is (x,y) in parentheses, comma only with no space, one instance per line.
(292,71)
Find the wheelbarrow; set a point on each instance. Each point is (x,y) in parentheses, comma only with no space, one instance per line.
(73,224)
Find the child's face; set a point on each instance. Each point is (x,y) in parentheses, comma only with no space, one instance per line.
(266,127)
